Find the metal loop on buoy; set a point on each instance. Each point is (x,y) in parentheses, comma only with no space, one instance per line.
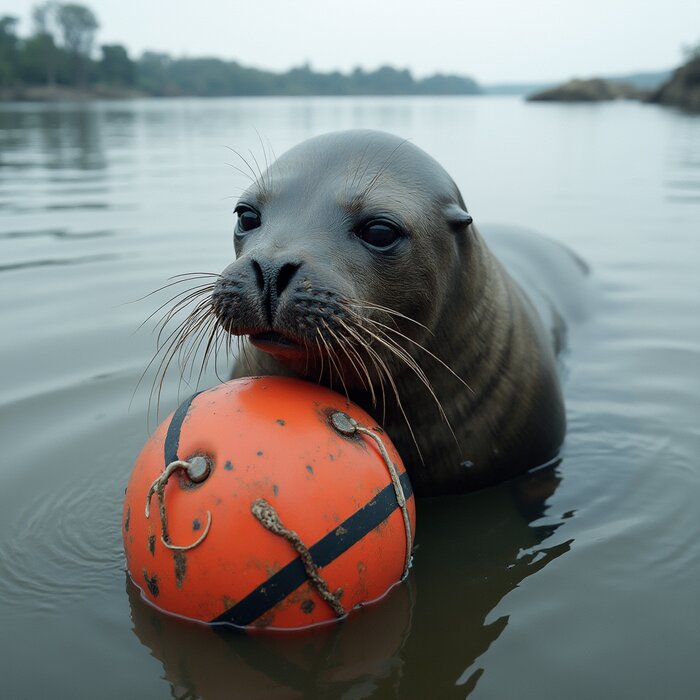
(347,425)
(197,469)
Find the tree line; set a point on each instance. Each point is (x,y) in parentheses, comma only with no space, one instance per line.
(61,52)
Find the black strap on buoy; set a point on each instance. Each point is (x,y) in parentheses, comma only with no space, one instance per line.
(197,469)
(328,548)
(172,438)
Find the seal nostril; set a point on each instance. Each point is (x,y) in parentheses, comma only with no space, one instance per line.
(259,275)
(284,276)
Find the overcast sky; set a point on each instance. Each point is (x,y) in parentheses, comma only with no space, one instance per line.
(491,40)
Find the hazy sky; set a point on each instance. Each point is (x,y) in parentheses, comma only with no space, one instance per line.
(492,40)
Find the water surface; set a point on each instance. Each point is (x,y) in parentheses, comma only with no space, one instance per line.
(574,582)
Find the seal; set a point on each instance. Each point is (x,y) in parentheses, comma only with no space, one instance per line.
(359,267)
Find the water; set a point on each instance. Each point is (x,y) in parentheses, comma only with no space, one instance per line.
(575,582)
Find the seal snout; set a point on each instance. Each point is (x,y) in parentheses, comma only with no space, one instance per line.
(272,278)
(281,304)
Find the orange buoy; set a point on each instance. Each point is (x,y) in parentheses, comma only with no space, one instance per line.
(267,502)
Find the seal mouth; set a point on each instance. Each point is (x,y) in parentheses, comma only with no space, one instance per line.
(276,343)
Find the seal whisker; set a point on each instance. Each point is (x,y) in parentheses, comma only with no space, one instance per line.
(162,325)
(362,304)
(332,364)
(344,343)
(424,349)
(185,331)
(177,307)
(242,172)
(351,186)
(401,354)
(320,354)
(320,337)
(190,292)
(379,362)
(337,364)
(268,172)
(382,169)
(198,273)
(341,345)
(252,175)
(216,349)
(243,352)
(171,347)
(157,385)
(212,328)
(190,345)
(195,345)
(168,344)
(256,178)
(188,295)
(260,172)
(185,277)
(364,345)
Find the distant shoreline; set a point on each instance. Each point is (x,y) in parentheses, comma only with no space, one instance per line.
(67,94)
(61,93)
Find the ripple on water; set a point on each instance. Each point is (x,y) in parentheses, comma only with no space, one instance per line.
(65,544)
(62,491)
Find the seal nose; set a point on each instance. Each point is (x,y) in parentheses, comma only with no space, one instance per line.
(272,279)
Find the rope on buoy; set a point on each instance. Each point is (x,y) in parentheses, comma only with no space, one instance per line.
(195,472)
(347,425)
(267,516)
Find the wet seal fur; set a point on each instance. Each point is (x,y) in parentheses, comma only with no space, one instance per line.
(358,266)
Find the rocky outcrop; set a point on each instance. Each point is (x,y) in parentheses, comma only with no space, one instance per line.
(683,89)
(594,90)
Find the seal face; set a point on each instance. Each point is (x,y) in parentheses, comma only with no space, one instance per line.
(358,266)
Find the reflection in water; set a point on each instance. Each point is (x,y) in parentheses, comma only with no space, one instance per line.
(213,663)
(380,651)
(70,136)
(56,233)
(60,262)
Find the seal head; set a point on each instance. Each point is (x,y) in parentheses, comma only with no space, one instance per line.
(358,266)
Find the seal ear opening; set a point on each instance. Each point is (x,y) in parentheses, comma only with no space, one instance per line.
(457,217)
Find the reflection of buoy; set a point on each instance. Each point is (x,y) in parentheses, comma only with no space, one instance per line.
(201,662)
(267,502)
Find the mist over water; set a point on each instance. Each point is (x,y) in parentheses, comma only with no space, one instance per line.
(576,581)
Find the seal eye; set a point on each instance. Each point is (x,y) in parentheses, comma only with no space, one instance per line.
(379,234)
(248,218)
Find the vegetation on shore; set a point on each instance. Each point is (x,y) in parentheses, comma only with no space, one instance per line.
(681,89)
(57,60)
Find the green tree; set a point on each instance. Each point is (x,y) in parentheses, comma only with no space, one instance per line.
(153,73)
(43,44)
(8,50)
(116,68)
(78,27)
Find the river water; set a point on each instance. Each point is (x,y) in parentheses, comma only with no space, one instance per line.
(578,581)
